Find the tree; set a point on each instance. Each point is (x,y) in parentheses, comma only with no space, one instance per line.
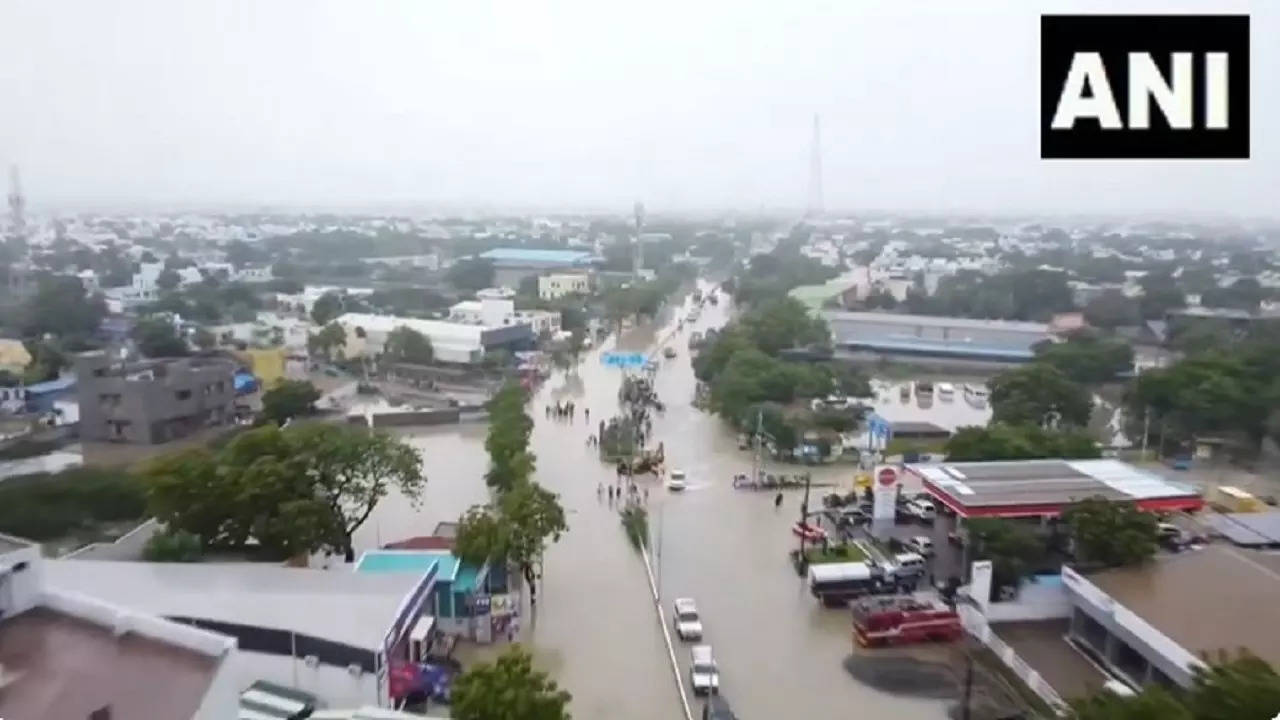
(1112,309)
(1242,688)
(176,546)
(298,490)
(406,345)
(1038,394)
(47,361)
(168,279)
(508,689)
(327,307)
(289,399)
(1160,294)
(1153,703)
(515,529)
(204,339)
(1012,548)
(507,442)
(784,323)
(156,338)
(1243,294)
(1111,533)
(330,338)
(60,307)
(1086,358)
(351,470)
(471,274)
(1001,441)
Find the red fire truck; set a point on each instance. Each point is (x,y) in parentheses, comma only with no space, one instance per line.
(902,620)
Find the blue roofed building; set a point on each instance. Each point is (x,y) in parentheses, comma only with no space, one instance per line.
(964,339)
(477,603)
(511,265)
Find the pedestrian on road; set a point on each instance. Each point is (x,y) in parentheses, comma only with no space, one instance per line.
(610,494)
(777,501)
(586,413)
(599,490)
(646,496)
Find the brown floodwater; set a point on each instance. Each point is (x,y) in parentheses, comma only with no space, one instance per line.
(780,653)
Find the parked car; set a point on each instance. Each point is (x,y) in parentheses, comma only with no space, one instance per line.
(921,510)
(688,624)
(703,673)
(669,352)
(677,482)
(921,545)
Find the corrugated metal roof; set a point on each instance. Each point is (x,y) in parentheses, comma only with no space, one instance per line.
(567,257)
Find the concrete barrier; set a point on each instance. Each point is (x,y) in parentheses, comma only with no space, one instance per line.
(441,416)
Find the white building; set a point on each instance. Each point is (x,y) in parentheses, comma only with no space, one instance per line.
(452,342)
(493,307)
(558,285)
(143,666)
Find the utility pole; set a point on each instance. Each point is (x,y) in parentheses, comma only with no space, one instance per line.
(1146,430)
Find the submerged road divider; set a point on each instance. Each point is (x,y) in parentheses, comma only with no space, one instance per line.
(666,635)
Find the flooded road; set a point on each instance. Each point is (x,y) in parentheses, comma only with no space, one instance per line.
(779,652)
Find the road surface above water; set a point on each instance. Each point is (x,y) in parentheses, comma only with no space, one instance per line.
(779,652)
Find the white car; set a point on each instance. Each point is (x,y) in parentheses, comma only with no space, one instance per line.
(703,673)
(676,482)
(688,624)
(921,545)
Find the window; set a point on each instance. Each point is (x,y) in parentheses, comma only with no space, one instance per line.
(182,394)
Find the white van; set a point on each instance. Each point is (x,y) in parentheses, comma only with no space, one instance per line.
(921,545)
(703,672)
(908,564)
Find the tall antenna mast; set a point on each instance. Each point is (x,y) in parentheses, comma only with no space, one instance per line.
(638,250)
(815,171)
(17,204)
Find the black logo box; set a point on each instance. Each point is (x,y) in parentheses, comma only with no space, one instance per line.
(1114,37)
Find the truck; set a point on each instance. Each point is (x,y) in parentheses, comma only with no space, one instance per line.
(878,622)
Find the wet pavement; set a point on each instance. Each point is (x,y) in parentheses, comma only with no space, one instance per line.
(780,653)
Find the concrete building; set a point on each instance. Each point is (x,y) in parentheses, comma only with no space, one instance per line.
(1152,624)
(71,655)
(557,285)
(152,401)
(932,336)
(511,265)
(453,342)
(495,308)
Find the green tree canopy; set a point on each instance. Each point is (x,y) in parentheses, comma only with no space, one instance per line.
(1002,441)
(61,307)
(1038,394)
(406,345)
(1112,309)
(471,274)
(289,399)
(297,490)
(329,342)
(1087,358)
(1242,688)
(1153,703)
(157,338)
(510,461)
(514,529)
(168,279)
(326,307)
(1111,533)
(508,689)
(1012,547)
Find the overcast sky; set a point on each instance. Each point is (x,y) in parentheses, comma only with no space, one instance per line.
(691,104)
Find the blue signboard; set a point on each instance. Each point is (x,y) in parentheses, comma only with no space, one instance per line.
(624,359)
(879,429)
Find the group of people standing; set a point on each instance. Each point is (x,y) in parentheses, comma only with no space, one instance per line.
(566,411)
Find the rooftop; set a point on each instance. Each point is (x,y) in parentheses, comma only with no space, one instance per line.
(1258,529)
(936,321)
(66,667)
(1044,487)
(435,330)
(927,334)
(1208,600)
(542,257)
(269,596)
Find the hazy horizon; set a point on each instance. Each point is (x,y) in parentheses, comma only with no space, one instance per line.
(698,108)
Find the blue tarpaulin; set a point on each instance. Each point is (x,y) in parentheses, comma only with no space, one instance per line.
(245,383)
